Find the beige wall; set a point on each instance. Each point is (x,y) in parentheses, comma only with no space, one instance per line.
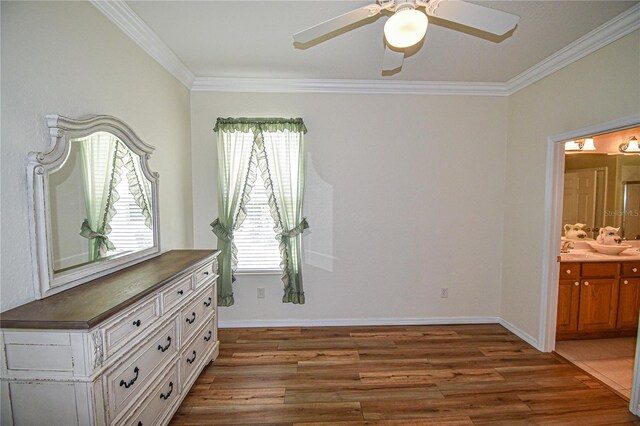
(598,88)
(67,58)
(404,195)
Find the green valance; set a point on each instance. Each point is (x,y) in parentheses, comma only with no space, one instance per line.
(244,124)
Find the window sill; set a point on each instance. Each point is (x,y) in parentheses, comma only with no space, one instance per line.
(258,272)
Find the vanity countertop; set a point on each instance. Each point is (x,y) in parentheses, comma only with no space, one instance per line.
(628,255)
(84,306)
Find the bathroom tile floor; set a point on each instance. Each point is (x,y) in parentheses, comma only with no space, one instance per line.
(608,360)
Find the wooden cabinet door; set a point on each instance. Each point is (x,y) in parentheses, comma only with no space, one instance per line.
(598,304)
(629,303)
(568,302)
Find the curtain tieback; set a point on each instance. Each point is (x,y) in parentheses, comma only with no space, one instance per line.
(221,232)
(102,239)
(295,231)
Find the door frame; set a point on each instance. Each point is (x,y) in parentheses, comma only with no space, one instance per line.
(554,186)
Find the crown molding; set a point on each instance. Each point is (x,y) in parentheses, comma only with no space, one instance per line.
(132,25)
(618,27)
(394,87)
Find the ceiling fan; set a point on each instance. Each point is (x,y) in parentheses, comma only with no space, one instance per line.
(408,25)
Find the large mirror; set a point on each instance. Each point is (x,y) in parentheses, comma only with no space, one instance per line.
(602,186)
(95,202)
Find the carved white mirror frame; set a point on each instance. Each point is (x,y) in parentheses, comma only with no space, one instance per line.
(62,130)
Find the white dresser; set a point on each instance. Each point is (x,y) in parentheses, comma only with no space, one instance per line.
(123,349)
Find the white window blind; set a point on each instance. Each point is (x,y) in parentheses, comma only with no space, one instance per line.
(255,239)
(128,230)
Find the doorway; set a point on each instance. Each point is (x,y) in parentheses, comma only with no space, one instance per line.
(553,220)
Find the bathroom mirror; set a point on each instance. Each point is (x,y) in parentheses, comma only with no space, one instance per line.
(603,189)
(94,203)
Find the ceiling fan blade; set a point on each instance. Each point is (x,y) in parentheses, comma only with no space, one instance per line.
(483,18)
(336,23)
(392,59)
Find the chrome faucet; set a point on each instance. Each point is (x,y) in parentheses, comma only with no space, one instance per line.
(566,246)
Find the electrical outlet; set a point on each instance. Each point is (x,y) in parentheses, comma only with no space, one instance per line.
(444,293)
(260,292)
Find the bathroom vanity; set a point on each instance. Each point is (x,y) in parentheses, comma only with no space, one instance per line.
(599,296)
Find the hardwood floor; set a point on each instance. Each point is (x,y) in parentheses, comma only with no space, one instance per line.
(413,375)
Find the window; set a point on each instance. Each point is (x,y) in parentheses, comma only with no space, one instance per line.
(255,240)
(128,230)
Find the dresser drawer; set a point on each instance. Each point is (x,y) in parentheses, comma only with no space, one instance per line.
(599,269)
(569,270)
(156,406)
(194,315)
(176,293)
(631,269)
(130,325)
(204,273)
(193,356)
(128,379)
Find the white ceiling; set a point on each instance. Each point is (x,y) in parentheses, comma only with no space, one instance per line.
(253,39)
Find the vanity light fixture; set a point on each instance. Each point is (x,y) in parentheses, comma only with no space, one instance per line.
(630,146)
(585,145)
(588,145)
(572,146)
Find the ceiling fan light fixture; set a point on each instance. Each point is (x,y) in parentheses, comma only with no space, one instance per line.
(405,28)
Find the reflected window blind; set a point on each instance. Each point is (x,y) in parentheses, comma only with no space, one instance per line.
(255,239)
(128,230)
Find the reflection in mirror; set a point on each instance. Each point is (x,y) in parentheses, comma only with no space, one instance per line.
(631,218)
(601,188)
(93,202)
(100,203)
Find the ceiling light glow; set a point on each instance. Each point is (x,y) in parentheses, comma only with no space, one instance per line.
(405,28)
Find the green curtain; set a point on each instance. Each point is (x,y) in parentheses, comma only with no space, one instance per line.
(236,175)
(277,148)
(281,161)
(102,161)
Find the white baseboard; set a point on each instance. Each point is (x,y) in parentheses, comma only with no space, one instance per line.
(356,322)
(379,321)
(521,334)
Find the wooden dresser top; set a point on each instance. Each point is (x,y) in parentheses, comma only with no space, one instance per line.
(87,305)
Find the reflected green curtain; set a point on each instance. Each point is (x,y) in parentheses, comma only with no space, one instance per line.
(138,185)
(236,175)
(102,161)
(277,148)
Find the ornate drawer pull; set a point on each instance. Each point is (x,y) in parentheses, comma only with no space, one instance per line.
(163,396)
(137,323)
(132,381)
(162,349)
(205,273)
(207,338)
(207,303)
(586,283)
(193,318)
(568,271)
(576,283)
(190,361)
(180,292)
